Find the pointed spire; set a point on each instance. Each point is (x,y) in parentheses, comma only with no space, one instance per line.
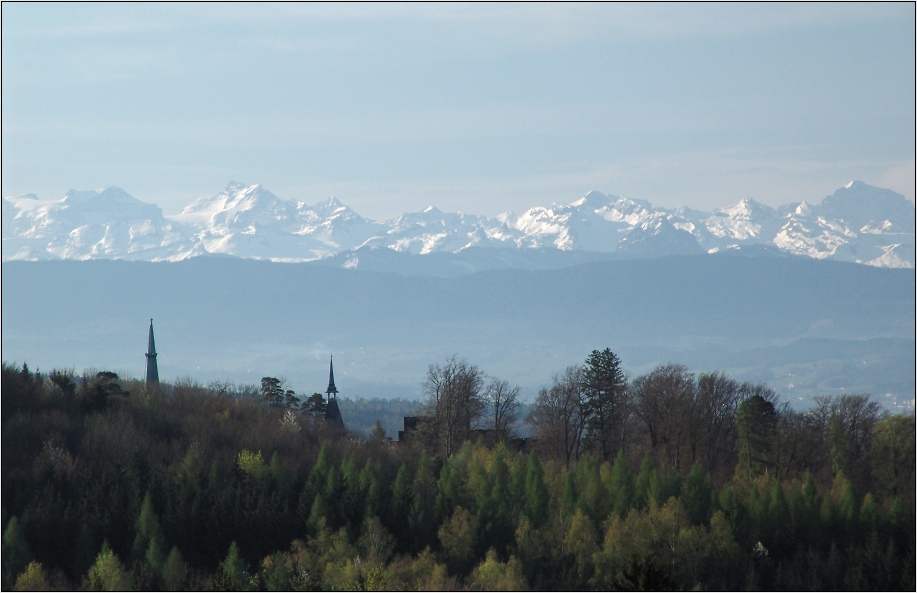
(331,388)
(152,370)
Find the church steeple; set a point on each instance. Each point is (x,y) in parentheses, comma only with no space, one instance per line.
(333,418)
(152,370)
(331,388)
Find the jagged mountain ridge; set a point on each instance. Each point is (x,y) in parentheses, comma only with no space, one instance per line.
(858,223)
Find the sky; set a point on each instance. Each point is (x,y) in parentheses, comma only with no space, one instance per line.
(472,107)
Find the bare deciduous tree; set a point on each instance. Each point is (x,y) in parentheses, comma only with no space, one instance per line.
(712,433)
(454,404)
(664,400)
(503,402)
(559,417)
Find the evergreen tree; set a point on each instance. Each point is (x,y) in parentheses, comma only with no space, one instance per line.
(642,483)
(108,573)
(696,495)
(377,435)
(606,405)
(352,497)
(376,499)
(402,499)
(756,420)
(593,498)
(493,575)
(174,570)
(448,491)
(234,570)
(423,503)
(569,498)
(16,553)
(315,406)
(537,498)
(272,392)
(33,578)
(83,552)
(581,541)
(149,543)
(621,487)
(276,574)
(458,537)
(497,511)
(375,543)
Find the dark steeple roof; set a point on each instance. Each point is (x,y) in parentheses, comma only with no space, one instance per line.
(333,418)
(152,370)
(331,388)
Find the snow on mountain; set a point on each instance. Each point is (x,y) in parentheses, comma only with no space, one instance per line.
(251,222)
(595,222)
(434,230)
(101,224)
(659,236)
(337,227)
(858,223)
(746,221)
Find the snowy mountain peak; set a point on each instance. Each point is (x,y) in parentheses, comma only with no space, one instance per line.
(593,199)
(803,209)
(331,207)
(747,209)
(237,205)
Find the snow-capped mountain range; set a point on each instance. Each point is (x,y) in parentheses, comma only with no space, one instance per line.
(858,223)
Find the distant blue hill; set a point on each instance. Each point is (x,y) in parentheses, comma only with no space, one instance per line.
(808,327)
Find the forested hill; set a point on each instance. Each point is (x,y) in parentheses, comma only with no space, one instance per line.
(108,485)
(219,318)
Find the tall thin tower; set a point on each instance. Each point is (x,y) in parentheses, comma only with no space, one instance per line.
(152,371)
(333,416)
(332,390)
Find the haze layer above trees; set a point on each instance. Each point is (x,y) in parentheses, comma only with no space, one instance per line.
(803,326)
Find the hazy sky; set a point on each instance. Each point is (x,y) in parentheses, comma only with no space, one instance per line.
(481,108)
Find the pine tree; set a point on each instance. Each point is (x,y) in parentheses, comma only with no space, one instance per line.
(401,507)
(352,498)
(696,495)
(423,503)
(756,421)
(537,498)
(33,578)
(149,542)
(234,569)
(606,405)
(174,570)
(580,541)
(499,523)
(108,573)
(376,500)
(621,487)
(458,536)
(16,553)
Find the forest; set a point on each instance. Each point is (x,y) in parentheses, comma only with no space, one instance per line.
(667,481)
